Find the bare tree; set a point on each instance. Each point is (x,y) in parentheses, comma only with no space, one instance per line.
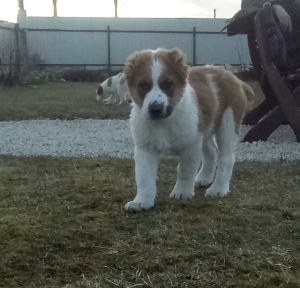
(9,73)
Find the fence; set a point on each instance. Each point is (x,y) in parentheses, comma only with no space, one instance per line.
(8,44)
(96,43)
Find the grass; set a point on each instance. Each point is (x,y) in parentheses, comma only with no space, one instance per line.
(68,100)
(62,224)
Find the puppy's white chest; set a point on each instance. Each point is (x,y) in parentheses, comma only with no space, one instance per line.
(169,135)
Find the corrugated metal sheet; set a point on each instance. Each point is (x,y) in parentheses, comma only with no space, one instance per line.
(129,35)
(8,42)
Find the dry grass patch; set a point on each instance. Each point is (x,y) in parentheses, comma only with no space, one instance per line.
(62,224)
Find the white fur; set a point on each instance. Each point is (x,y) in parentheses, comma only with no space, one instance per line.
(178,134)
(227,139)
(116,93)
(156,94)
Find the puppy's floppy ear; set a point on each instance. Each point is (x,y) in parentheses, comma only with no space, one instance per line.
(134,61)
(129,66)
(177,57)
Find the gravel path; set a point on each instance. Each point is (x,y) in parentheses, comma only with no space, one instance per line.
(112,137)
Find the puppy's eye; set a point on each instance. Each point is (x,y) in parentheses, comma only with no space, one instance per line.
(145,86)
(166,85)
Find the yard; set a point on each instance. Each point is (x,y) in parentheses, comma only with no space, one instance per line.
(62,222)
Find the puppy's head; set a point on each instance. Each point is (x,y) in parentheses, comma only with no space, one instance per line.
(156,80)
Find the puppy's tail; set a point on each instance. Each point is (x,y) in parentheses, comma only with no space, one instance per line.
(249,94)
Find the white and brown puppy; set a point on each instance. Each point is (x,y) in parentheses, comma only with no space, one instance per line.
(113,90)
(195,113)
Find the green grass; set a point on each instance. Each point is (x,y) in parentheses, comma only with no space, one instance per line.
(68,100)
(62,224)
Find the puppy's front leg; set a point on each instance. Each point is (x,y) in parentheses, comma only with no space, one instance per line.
(186,173)
(146,166)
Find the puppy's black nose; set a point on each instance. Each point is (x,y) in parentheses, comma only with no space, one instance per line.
(155,110)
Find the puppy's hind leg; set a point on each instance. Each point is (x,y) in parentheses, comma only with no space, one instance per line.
(186,173)
(109,100)
(227,138)
(209,155)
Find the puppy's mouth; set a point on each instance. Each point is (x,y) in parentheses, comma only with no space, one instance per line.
(157,111)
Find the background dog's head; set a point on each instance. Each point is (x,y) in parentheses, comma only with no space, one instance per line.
(156,80)
(99,93)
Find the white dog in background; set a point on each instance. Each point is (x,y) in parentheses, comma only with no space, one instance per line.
(195,113)
(113,90)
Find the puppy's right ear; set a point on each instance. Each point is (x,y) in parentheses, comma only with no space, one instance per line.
(177,57)
(129,66)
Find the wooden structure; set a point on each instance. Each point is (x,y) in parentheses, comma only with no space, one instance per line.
(278,78)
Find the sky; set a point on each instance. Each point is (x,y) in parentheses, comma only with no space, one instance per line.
(126,8)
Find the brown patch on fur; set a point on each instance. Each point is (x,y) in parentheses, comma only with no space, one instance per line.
(109,82)
(99,90)
(231,93)
(249,94)
(137,69)
(207,102)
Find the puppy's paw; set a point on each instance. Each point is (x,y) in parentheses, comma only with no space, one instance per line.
(216,191)
(182,194)
(98,98)
(202,182)
(132,206)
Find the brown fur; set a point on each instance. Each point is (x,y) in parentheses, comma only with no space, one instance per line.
(137,69)
(229,90)
(207,102)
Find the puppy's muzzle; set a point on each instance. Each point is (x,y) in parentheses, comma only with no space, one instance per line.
(156,110)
